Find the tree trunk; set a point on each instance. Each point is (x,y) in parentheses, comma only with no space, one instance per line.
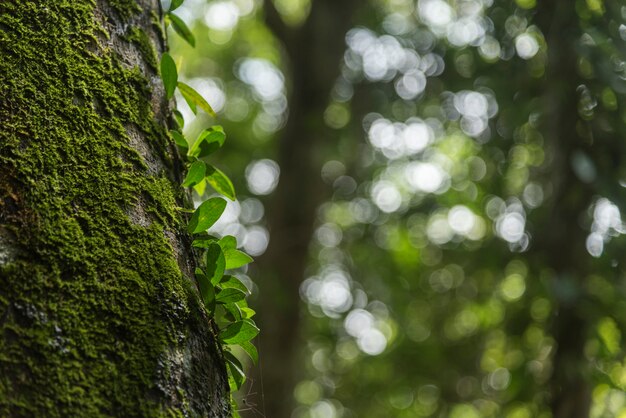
(561,244)
(98,314)
(314,53)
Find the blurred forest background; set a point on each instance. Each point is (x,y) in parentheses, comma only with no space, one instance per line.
(433,194)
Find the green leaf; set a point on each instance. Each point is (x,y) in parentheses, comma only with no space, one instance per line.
(200,188)
(206,215)
(195,174)
(207,291)
(180,120)
(251,350)
(234,310)
(175,4)
(215,263)
(231,282)
(229,295)
(239,332)
(203,241)
(169,75)
(179,139)
(209,141)
(220,182)
(236,258)
(228,242)
(194,97)
(181,28)
(236,376)
(247,312)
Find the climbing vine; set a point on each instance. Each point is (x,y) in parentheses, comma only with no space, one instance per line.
(223,295)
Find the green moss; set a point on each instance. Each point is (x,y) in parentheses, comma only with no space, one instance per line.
(143,42)
(125,8)
(92,296)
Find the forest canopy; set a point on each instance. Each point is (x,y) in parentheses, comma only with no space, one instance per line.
(433,190)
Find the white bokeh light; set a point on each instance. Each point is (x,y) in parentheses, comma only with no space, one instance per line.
(436,13)
(256,240)
(607,223)
(510,226)
(222,15)
(372,341)
(386,196)
(266,80)
(526,46)
(262,176)
(426,177)
(461,219)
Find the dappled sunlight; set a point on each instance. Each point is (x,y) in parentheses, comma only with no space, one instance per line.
(467,198)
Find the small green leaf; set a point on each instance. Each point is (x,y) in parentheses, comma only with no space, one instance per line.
(220,182)
(195,174)
(236,376)
(228,242)
(200,188)
(239,331)
(234,283)
(191,104)
(234,310)
(179,139)
(247,312)
(169,75)
(181,28)
(180,120)
(251,350)
(206,215)
(194,97)
(236,258)
(175,4)
(229,295)
(215,263)
(207,291)
(203,241)
(209,141)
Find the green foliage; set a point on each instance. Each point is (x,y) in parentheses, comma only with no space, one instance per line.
(195,174)
(239,332)
(215,262)
(194,99)
(220,182)
(181,28)
(175,4)
(169,75)
(207,142)
(216,289)
(206,215)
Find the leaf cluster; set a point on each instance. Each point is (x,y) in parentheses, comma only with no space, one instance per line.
(223,295)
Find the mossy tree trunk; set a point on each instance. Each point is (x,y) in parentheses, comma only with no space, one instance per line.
(98,314)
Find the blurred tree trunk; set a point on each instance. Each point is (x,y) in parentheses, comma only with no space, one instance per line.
(98,314)
(313,53)
(561,243)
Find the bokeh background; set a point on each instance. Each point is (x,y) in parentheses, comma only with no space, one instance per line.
(432,190)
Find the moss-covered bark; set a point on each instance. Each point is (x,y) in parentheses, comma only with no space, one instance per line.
(97,312)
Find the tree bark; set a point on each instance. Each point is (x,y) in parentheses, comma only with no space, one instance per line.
(98,314)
